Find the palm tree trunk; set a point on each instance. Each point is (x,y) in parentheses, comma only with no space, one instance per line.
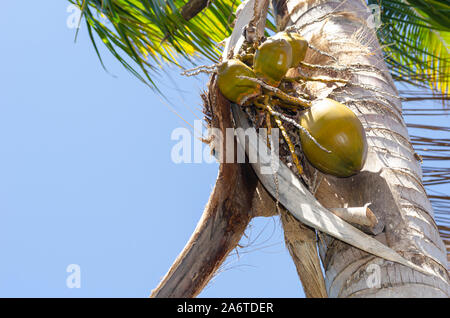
(391,178)
(224,220)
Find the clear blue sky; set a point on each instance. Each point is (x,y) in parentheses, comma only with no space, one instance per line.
(86,175)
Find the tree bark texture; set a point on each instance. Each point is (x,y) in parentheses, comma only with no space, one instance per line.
(391,179)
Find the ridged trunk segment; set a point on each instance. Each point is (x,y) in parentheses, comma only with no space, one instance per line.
(391,177)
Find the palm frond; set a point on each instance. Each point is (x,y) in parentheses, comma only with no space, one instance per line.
(432,143)
(154,33)
(417,38)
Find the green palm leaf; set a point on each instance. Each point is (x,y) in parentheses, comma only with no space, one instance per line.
(154,33)
(417,38)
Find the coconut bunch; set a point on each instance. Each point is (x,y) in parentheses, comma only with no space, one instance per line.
(331,136)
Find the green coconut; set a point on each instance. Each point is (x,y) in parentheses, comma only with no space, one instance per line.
(272,60)
(298,44)
(336,128)
(236,89)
